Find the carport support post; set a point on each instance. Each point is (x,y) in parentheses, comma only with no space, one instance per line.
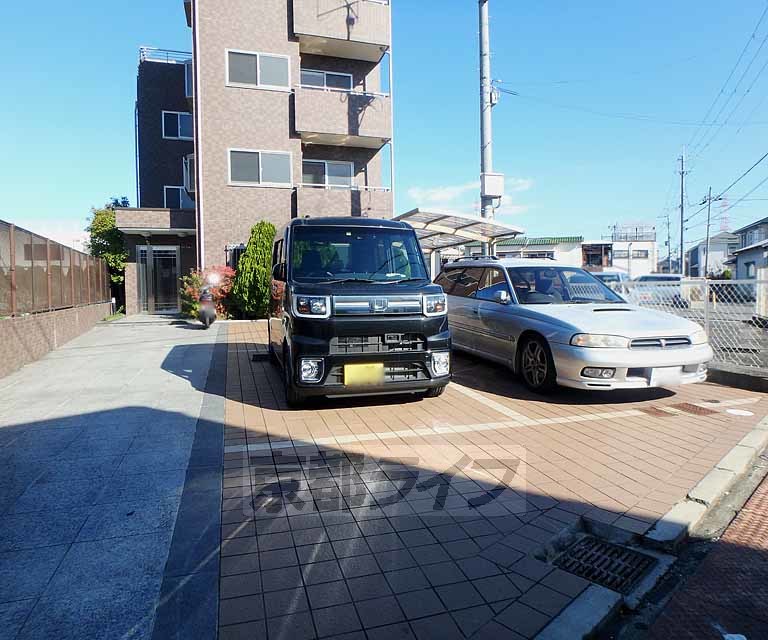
(486,104)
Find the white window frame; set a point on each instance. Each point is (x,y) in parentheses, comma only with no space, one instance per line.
(189,176)
(326,184)
(245,85)
(325,86)
(273,185)
(182,193)
(178,125)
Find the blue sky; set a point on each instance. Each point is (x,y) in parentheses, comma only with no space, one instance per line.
(66,138)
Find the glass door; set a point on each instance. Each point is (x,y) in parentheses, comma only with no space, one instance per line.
(158,268)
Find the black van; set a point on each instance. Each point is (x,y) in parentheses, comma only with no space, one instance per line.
(353,311)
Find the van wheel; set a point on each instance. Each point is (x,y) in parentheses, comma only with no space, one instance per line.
(536,366)
(434,393)
(292,395)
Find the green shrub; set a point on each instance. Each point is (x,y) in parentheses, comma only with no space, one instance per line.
(253,281)
(192,283)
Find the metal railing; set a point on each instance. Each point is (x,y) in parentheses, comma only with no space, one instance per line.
(38,274)
(734,313)
(171,56)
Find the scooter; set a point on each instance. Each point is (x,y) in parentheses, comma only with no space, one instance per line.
(207,307)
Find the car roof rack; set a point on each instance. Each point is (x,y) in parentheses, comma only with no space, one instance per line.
(477,258)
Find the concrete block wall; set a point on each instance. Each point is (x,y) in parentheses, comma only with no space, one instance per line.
(25,339)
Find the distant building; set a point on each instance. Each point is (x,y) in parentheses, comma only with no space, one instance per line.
(565,249)
(634,249)
(721,248)
(752,253)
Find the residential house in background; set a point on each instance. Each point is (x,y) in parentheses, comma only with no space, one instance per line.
(752,254)
(566,249)
(635,251)
(721,248)
(290,113)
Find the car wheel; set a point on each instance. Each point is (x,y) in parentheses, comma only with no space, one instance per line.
(436,392)
(536,366)
(292,395)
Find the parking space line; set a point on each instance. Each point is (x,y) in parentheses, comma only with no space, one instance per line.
(492,404)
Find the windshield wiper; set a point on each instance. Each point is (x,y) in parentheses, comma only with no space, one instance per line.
(407,280)
(343,280)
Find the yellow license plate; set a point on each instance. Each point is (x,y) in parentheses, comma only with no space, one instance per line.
(360,375)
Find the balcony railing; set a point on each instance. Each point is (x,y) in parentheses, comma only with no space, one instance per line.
(321,200)
(343,118)
(169,56)
(357,29)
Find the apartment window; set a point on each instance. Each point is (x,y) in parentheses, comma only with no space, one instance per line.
(177,125)
(751,270)
(326,79)
(620,254)
(189,173)
(540,255)
(177,198)
(324,173)
(189,79)
(641,254)
(268,168)
(261,70)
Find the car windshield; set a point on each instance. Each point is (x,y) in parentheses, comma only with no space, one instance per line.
(354,254)
(559,285)
(607,277)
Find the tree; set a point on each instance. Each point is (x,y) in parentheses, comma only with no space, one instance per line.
(251,289)
(106,242)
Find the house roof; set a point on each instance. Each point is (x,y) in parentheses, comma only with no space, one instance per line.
(756,245)
(522,241)
(752,224)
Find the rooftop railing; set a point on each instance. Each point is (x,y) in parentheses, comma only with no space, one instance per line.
(170,56)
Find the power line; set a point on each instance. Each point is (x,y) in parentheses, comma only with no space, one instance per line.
(730,75)
(623,116)
(733,184)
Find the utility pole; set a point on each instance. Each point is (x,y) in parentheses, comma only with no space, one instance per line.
(669,244)
(682,212)
(709,201)
(486,104)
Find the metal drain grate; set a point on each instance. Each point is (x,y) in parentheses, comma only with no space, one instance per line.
(694,409)
(606,564)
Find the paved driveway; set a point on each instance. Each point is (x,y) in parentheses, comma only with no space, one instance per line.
(95,442)
(430,519)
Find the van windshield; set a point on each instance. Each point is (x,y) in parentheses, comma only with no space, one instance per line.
(341,254)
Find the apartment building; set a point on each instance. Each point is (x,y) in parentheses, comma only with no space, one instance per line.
(751,257)
(290,110)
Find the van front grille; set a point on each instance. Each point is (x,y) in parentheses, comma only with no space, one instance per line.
(377,305)
(660,343)
(388,343)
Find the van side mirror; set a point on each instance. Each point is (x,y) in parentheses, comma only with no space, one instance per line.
(502,297)
(278,272)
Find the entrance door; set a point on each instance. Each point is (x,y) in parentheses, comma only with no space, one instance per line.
(158,279)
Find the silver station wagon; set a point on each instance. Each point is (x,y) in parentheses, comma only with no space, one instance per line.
(555,324)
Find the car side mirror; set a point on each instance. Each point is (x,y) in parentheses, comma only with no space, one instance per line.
(278,272)
(502,297)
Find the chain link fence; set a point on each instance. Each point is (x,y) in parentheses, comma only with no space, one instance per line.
(38,274)
(734,314)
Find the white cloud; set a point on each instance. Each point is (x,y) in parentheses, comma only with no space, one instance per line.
(442,195)
(518,184)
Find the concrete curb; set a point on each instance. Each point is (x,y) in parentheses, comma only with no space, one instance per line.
(583,616)
(678,522)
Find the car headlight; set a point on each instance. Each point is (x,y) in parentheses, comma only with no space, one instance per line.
(441,363)
(699,337)
(599,341)
(313,306)
(435,305)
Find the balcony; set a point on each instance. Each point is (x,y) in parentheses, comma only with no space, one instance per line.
(155,221)
(356,29)
(343,118)
(363,201)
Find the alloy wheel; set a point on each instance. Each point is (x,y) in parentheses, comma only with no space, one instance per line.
(534,364)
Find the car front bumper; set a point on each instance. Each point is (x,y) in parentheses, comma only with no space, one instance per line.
(635,368)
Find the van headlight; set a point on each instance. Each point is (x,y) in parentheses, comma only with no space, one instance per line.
(435,305)
(312,306)
(441,363)
(599,341)
(699,337)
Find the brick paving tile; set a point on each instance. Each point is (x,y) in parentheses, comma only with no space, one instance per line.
(523,619)
(242,609)
(728,591)
(573,459)
(246,631)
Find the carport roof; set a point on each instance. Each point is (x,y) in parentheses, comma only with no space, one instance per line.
(442,229)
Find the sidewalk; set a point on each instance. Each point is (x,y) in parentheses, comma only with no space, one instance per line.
(726,597)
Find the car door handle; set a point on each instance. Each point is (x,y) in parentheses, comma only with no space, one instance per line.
(475,311)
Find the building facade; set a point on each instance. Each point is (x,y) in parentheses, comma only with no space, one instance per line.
(751,258)
(290,111)
(721,248)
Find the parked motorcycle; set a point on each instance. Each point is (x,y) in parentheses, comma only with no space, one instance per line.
(207,303)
